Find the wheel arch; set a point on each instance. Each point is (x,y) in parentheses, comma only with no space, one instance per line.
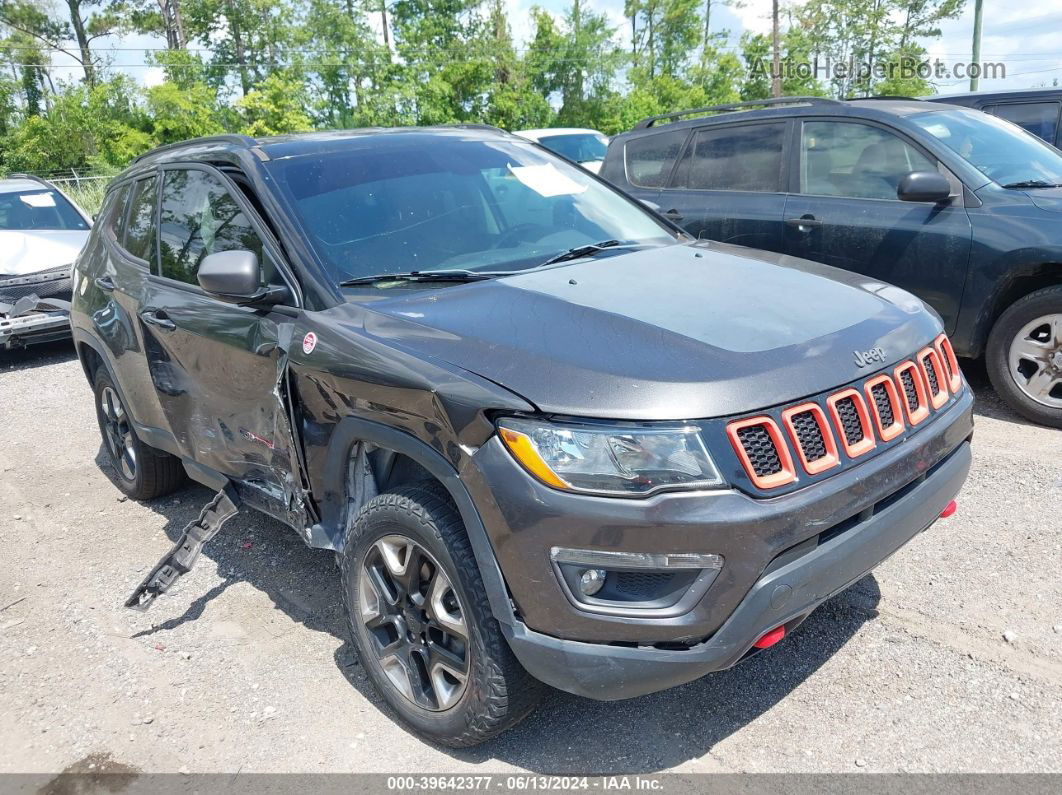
(1021,282)
(336,510)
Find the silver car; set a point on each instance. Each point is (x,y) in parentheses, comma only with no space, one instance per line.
(41,232)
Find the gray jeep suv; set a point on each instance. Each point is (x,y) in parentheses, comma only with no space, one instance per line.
(550,437)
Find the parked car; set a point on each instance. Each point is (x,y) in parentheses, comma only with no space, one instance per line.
(550,437)
(582,146)
(1036,110)
(41,233)
(957,206)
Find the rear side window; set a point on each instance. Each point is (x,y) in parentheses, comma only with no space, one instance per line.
(139,238)
(746,158)
(855,160)
(650,158)
(113,215)
(1039,118)
(200,217)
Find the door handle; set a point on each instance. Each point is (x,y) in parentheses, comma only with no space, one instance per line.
(105,283)
(158,319)
(673,215)
(804,223)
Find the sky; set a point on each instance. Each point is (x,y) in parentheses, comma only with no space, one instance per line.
(1026,38)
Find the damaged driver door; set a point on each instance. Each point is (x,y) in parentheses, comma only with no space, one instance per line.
(220,368)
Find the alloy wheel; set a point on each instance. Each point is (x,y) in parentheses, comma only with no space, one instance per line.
(415,622)
(118,433)
(1035,360)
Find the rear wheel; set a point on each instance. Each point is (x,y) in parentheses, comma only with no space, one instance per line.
(141,471)
(422,625)
(1024,356)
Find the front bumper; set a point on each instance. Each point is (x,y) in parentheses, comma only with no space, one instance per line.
(34,308)
(784,596)
(862,515)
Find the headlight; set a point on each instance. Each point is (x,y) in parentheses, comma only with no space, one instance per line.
(609,459)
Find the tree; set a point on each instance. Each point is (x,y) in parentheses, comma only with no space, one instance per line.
(87,21)
(276,106)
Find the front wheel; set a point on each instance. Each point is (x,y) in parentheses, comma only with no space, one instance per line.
(1024,356)
(422,625)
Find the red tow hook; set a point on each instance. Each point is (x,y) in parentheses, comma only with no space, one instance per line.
(770,638)
(949,509)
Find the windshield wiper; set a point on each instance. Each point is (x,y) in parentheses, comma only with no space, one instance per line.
(587,251)
(420,276)
(1033,183)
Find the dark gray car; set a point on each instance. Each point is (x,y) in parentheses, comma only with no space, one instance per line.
(550,437)
(957,206)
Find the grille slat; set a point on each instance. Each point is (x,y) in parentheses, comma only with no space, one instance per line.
(909,390)
(850,423)
(809,434)
(760,449)
(931,374)
(883,404)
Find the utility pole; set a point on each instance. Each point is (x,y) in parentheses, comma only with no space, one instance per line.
(776,60)
(976,60)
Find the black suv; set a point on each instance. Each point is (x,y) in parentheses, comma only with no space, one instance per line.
(957,206)
(1036,110)
(550,437)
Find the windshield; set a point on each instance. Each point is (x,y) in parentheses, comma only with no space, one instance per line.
(38,210)
(580,147)
(424,202)
(1003,152)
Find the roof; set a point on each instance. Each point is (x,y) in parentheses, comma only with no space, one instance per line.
(534,135)
(19,184)
(294,144)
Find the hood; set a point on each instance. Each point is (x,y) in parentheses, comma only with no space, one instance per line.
(682,332)
(31,251)
(1049,199)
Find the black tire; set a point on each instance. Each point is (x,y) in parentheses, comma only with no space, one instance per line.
(147,472)
(497,692)
(1041,303)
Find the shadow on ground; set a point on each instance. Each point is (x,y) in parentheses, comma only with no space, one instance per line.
(567,734)
(37,356)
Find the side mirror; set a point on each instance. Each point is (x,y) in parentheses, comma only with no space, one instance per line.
(651,205)
(924,186)
(235,276)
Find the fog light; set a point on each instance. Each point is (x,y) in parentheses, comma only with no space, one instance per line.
(591,581)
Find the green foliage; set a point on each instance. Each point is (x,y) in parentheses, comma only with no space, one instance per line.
(267,67)
(275,107)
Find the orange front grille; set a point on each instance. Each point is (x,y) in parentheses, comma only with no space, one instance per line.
(861,416)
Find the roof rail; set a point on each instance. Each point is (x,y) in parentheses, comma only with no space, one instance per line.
(733,106)
(32,177)
(889,96)
(225,138)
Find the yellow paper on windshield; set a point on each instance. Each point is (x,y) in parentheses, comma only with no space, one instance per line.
(546,181)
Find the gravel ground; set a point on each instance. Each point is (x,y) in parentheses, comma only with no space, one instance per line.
(947,658)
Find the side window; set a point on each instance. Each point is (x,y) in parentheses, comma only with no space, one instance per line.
(200,217)
(855,160)
(113,216)
(746,158)
(1039,118)
(139,236)
(650,158)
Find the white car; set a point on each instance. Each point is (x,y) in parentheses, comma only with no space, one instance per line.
(41,233)
(582,146)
